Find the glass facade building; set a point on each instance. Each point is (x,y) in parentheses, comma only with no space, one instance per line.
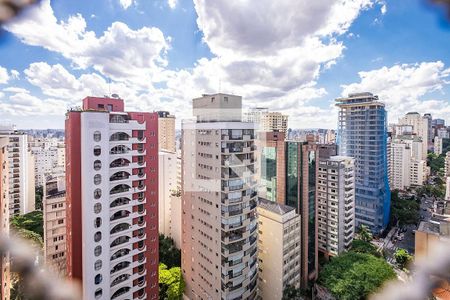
(362,134)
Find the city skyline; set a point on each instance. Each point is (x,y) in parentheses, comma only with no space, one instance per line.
(175,51)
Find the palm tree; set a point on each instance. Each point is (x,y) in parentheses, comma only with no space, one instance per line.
(364,233)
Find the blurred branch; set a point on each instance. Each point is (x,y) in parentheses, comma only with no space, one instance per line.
(11,8)
(445,3)
(38,284)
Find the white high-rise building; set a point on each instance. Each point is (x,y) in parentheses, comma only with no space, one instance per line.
(437,145)
(49,157)
(419,127)
(266,120)
(21,172)
(279,249)
(447,164)
(335,204)
(442,133)
(219,199)
(167,186)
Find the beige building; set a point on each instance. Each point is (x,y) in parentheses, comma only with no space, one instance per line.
(278,249)
(267,121)
(219,198)
(419,127)
(54,204)
(437,145)
(167,186)
(166,131)
(176,208)
(4,216)
(336,204)
(447,164)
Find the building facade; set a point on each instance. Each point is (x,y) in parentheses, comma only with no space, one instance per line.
(167,186)
(336,204)
(438,145)
(219,198)
(301,170)
(112,200)
(21,172)
(419,127)
(362,134)
(279,256)
(266,120)
(54,212)
(166,131)
(4,216)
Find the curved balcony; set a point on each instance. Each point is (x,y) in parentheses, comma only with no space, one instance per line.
(121,188)
(141,257)
(122,175)
(120,266)
(119,215)
(119,136)
(119,163)
(120,292)
(120,240)
(141,269)
(120,279)
(119,149)
(120,227)
(141,245)
(120,253)
(119,202)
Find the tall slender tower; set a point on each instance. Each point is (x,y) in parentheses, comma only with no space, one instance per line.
(362,134)
(112,200)
(219,198)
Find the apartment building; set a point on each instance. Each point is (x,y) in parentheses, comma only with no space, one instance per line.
(362,134)
(219,199)
(112,200)
(166,131)
(266,120)
(167,186)
(430,134)
(335,204)
(48,157)
(272,166)
(301,172)
(419,127)
(4,216)
(279,249)
(54,212)
(438,145)
(176,208)
(21,172)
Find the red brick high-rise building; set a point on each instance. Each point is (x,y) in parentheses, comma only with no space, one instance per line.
(112,194)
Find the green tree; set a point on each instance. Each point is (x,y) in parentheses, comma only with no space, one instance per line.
(171,283)
(402,257)
(360,246)
(364,233)
(404,211)
(291,293)
(169,254)
(38,195)
(355,275)
(32,221)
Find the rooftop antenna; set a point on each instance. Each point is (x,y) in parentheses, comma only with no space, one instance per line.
(109,86)
(220,84)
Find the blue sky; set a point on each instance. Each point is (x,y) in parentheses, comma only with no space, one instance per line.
(291,56)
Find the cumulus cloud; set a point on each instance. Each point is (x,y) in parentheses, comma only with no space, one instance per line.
(404,87)
(4,77)
(120,53)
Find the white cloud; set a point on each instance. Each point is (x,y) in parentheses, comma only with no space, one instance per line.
(120,53)
(383,9)
(404,87)
(126,3)
(13,89)
(4,77)
(172,3)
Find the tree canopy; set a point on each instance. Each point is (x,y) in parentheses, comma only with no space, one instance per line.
(169,254)
(364,233)
(355,275)
(171,283)
(38,195)
(360,246)
(32,221)
(291,293)
(405,211)
(402,257)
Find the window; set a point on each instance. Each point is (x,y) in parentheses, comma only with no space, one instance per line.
(98,251)
(98,293)
(97,179)
(97,150)
(97,236)
(98,222)
(97,165)
(97,136)
(97,208)
(98,265)
(98,278)
(97,193)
